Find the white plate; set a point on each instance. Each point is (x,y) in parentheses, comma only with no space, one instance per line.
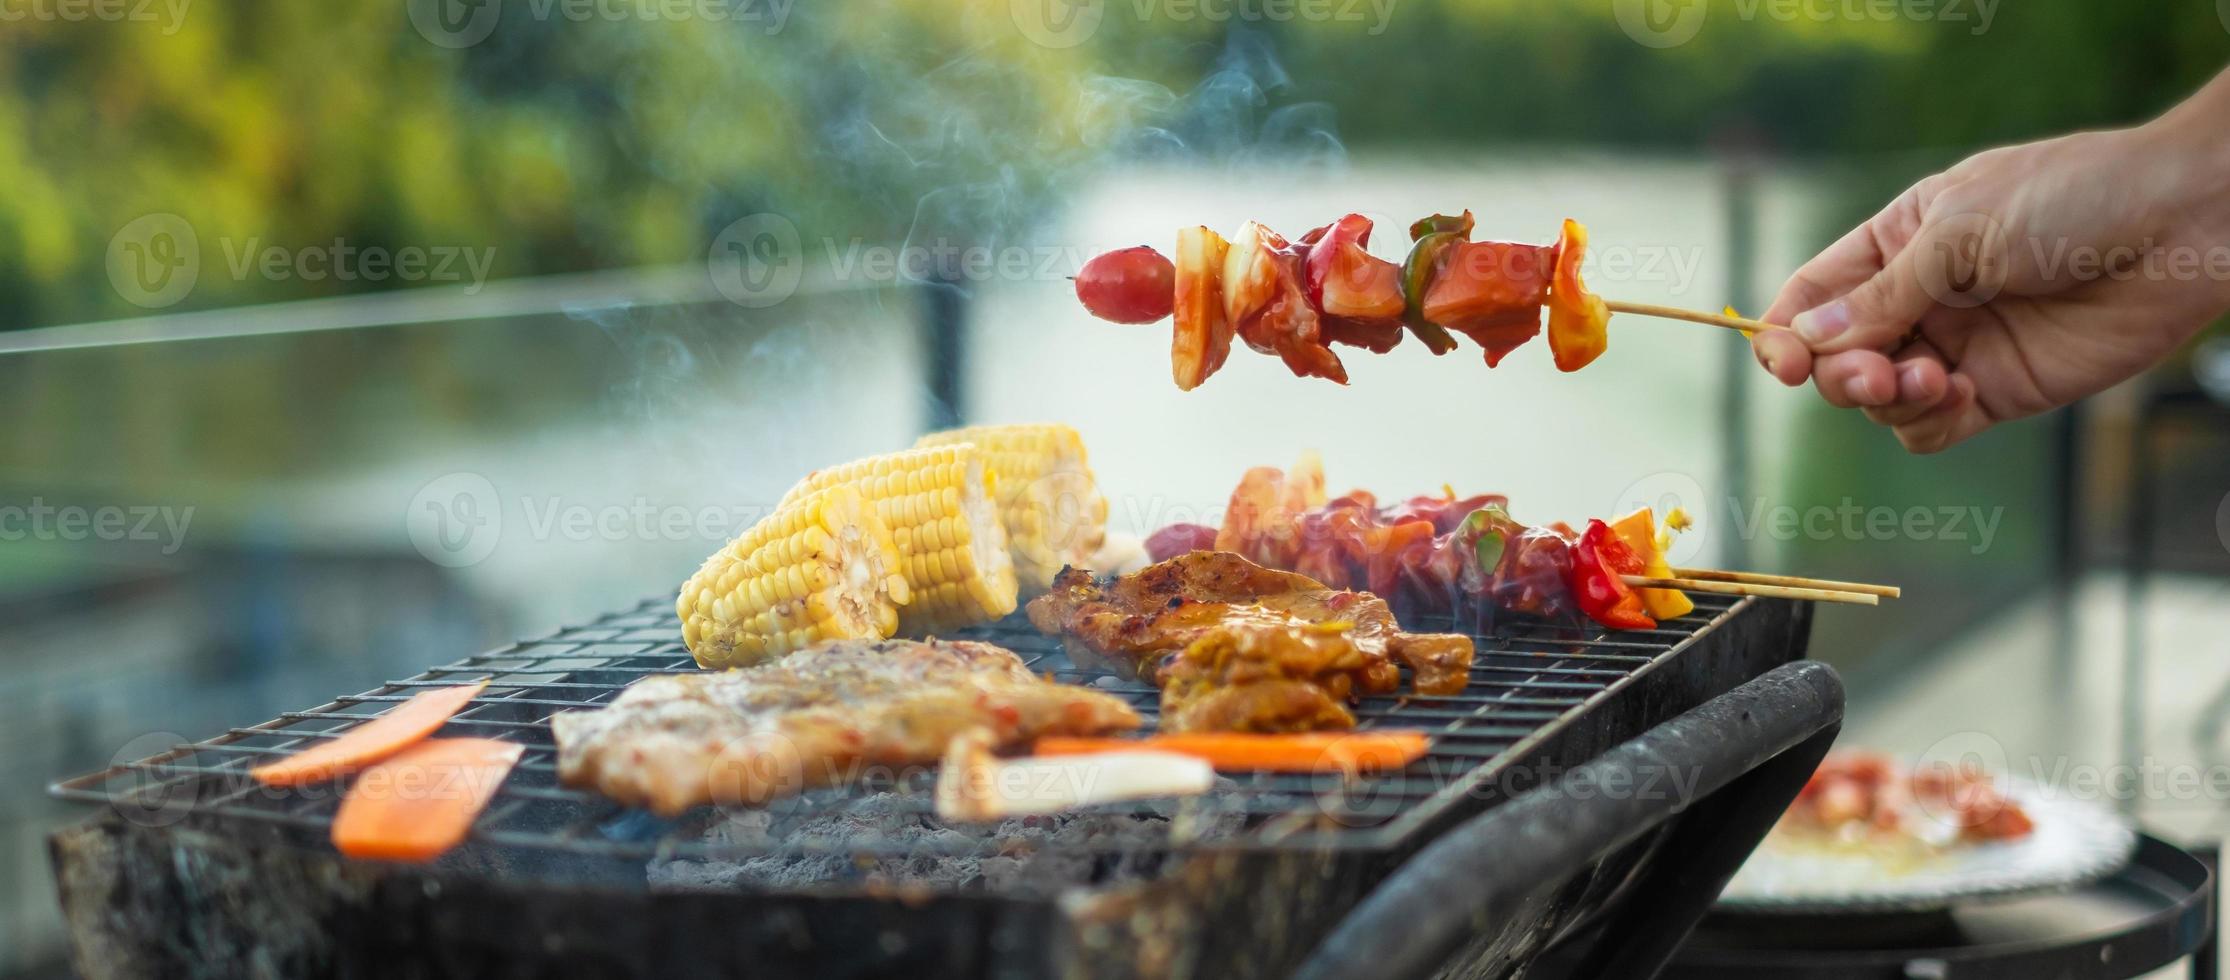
(2075,842)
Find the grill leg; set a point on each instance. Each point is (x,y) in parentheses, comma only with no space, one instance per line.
(1704,850)
(945,341)
(1482,872)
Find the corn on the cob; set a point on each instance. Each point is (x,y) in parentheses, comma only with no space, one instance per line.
(1048,501)
(939,505)
(823,566)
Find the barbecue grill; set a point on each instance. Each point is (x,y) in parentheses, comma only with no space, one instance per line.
(1584,780)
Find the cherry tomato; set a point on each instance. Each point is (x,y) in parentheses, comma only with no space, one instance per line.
(1128,285)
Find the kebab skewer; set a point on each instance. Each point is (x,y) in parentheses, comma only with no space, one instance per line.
(1451,555)
(1293,300)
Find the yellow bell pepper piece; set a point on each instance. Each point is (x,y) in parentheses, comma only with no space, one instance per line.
(1639,531)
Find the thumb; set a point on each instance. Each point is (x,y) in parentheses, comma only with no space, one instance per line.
(1948,262)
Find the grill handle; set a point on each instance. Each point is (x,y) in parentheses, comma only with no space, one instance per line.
(1775,728)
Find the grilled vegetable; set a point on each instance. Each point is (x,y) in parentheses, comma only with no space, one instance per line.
(1434,237)
(1639,531)
(1128,285)
(940,505)
(973,784)
(421,802)
(371,741)
(1049,503)
(1201,339)
(1344,752)
(823,566)
(1579,321)
(1599,558)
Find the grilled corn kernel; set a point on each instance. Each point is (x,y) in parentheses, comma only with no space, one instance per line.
(1049,503)
(821,567)
(940,505)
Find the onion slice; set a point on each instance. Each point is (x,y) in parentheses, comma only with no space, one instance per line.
(975,785)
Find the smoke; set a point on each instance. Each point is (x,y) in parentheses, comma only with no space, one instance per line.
(1243,115)
(878,131)
(972,162)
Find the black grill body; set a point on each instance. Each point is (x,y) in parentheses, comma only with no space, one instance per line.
(192,870)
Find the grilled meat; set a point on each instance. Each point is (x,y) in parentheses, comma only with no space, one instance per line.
(814,718)
(1274,679)
(1344,642)
(1859,795)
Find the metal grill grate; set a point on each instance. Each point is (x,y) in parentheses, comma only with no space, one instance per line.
(1525,683)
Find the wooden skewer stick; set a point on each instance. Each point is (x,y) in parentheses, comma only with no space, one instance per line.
(1715,575)
(1751,588)
(1692,316)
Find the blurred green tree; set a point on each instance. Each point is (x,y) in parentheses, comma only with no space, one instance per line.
(569,142)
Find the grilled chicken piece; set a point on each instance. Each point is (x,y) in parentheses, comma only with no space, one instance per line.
(1134,623)
(1277,679)
(814,718)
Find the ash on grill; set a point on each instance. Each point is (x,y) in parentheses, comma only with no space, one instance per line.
(1037,856)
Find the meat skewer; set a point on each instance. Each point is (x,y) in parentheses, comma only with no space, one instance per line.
(1293,300)
(1467,555)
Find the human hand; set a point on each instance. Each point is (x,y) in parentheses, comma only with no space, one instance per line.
(2020,280)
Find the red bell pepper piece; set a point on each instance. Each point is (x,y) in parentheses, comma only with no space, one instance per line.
(1599,558)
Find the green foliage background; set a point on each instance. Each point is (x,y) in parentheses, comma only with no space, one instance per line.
(587,144)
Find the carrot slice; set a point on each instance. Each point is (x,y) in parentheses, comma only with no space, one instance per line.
(370,741)
(420,802)
(1366,751)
